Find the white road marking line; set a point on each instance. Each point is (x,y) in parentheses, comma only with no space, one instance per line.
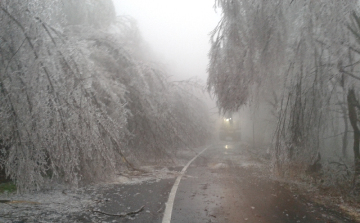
(170,202)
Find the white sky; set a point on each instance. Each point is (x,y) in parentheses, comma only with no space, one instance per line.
(176,30)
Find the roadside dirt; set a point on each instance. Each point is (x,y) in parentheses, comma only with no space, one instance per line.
(333,205)
(324,198)
(270,201)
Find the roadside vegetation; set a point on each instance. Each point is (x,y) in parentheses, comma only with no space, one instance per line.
(295,66)
(7,187)
(81,98)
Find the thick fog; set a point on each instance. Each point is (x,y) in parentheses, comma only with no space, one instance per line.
(176,31)
(102,91)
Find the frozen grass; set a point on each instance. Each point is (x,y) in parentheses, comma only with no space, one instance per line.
(8,187)
(52,206)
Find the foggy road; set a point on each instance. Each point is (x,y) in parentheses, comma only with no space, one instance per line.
(223,184)
(112,111)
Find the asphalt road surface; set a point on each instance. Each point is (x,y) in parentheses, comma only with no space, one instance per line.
(222,184)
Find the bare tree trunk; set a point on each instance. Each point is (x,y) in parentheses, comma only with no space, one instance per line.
(352,104)
(343,108)
(346,130)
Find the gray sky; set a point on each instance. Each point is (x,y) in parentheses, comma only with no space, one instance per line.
(176,30)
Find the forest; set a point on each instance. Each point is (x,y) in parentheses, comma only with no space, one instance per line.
(82,99)
(95,127)
(295,63)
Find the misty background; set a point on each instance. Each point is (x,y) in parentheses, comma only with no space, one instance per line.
(176,31)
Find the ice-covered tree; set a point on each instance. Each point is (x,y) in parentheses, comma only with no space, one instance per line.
(77,97)
(296,44)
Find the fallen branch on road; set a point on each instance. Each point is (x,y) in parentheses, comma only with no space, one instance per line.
(160,210)
(122,214)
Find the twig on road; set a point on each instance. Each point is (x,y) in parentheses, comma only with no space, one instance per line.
(122,214)
(160,210)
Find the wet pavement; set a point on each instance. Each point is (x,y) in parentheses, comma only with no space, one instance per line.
(224,185)
(117,199)
(221,185)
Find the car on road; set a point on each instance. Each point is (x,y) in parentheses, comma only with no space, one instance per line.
(229,127)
